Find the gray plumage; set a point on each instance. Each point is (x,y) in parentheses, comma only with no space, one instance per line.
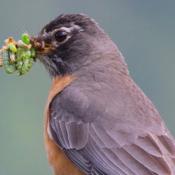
(102,120)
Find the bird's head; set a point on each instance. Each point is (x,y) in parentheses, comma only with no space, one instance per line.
(71,41)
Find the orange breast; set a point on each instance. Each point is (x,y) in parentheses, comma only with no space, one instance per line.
(58,160)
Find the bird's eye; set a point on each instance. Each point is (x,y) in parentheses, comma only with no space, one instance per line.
(60,35)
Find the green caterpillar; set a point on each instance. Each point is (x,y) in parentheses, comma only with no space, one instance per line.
(17,56)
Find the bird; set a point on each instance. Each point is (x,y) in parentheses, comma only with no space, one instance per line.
(97,119)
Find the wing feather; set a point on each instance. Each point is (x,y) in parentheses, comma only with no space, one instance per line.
(101,143)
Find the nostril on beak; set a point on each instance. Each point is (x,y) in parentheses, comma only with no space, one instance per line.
(47,39)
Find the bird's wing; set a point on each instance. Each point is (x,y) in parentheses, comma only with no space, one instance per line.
(100,149)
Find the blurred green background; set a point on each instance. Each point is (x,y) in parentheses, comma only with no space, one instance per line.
(144,32)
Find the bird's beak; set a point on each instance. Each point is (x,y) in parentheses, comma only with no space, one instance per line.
(42,45)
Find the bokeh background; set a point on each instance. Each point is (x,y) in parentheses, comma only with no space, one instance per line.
(143,30)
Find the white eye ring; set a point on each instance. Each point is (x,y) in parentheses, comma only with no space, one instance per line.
(70,29)
(66,29)
(60,36)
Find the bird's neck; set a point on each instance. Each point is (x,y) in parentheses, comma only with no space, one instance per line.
(108,62)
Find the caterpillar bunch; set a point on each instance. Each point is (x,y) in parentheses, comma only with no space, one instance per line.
(17,56)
